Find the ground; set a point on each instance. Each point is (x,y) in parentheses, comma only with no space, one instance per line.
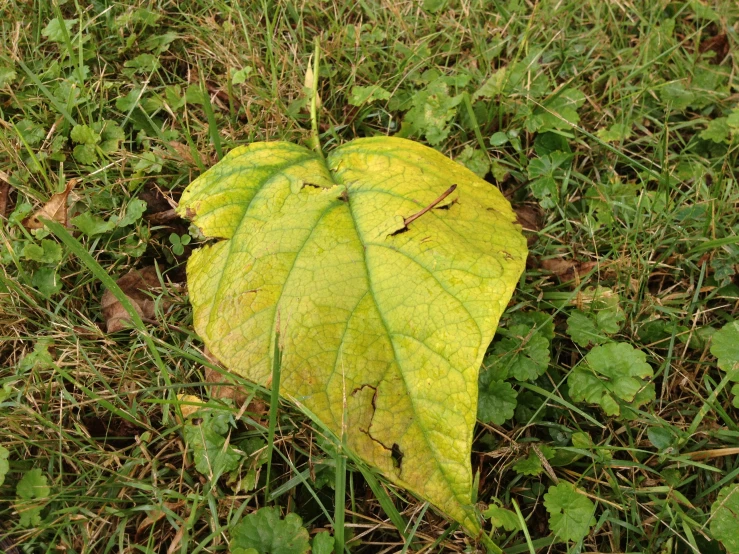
(608,409)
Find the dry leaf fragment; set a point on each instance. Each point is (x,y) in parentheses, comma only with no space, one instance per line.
(530,218)
(567,270)
(55,209)
(135,285)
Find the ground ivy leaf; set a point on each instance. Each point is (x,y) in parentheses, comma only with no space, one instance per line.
(523,353)
(48,252)
(53,30)
(583,330)
(32,487)
(571,514)
(367,95)
(725,346)
(323,543)
(502,518)
(530,465)
(266,532)
(496,403)
(725,518)
(382,321)
(432,110)
(612,373)
(4,465)
(475,160)
(717,130)
(91,224)
(205,435)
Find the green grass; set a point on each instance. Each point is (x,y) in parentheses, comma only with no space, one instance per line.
(612,125)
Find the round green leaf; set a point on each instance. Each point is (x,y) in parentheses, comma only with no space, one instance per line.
(385,269)
(570,513)
(267,533)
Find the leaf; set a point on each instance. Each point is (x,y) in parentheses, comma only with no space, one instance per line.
(54,209)
(367,95)
(493,86)
(46,281)
(48,252)
(717,130)
(4,465)
(238,77)
(571,514)
(523,354)
(323,543)
(502,518)
(7,75)
(135,284)
(612,373)
(85,154)
(496,403)
(54,30)
(433,108)
(725,518)
(725,346)
(83,134)
(618,132)
(475,160)
(91,224)
(531,465)
(267,533)
(205,435)
(676,95)
(387,319)
(40,357)
(32,487)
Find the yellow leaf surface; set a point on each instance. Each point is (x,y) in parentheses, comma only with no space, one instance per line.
(384,315)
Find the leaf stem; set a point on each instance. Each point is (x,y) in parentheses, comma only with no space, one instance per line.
(274,406)
(314,97)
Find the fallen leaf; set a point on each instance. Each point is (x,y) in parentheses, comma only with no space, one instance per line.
(135,285)
(55,209)
(4,192)
(190,404)
(566,270)
(530,218)
(718,44)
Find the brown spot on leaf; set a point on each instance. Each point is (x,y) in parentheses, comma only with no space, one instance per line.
(55,209)
(136,285)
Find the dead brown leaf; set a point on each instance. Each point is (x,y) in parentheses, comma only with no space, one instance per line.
(4,193)
(240,395)
(135,285)
(55,209)
(566,270)
(530,218)
(718,44)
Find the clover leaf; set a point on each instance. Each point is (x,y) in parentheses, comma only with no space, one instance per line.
(570,513)
(267,533)
(611,374)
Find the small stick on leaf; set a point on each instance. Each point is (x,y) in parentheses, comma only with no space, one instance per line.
(407,221)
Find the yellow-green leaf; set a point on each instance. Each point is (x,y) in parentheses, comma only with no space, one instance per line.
(383,317)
